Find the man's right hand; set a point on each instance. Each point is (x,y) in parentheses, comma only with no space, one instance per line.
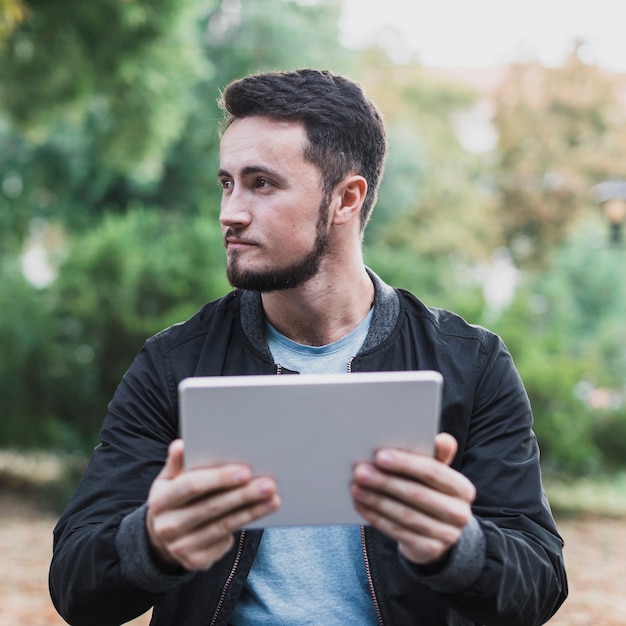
(192,515)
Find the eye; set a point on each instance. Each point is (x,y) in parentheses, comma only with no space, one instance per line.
(263,183)
(225,183)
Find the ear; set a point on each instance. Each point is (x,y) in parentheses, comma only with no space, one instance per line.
(350,193)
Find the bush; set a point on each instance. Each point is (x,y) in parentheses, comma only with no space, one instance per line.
(566,332)
(25,329)
(609,432)
(121,282)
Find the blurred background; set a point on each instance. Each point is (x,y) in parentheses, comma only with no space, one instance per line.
(504,200)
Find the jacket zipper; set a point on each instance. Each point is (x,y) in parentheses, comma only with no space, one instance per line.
(229,579)
(366,559)
(370,581)
(233,571)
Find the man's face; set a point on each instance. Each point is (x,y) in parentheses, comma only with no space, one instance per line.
(273,214)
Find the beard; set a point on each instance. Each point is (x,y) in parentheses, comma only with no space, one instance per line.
(290,276)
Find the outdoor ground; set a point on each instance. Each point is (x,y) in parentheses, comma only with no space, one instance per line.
(595,555)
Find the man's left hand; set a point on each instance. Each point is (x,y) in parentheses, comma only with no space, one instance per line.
(419,501)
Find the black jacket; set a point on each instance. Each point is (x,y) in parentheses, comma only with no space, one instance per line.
(507,569)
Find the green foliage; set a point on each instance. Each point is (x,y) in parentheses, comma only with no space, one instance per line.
(239,39)
(432,196)
(561,131)
(438,281)
(12,12)
(24,327)
(122,282)
(564,425)
(566,332)
(583,303)
(68,345)
(108,61)
(252,36)
(110,107)
(94,118)
(610,437)
(104,106)
(92,96)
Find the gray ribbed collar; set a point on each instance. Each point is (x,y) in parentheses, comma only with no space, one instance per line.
(386,310)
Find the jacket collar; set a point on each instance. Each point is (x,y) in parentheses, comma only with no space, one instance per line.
(386,311)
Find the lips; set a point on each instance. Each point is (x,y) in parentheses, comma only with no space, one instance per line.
(230,241)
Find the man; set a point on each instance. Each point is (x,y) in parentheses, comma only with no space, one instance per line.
(465,537)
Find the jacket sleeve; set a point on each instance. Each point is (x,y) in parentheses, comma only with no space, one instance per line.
(519,578)
(91,580)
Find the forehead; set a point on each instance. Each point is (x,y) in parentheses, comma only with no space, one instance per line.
(263,139)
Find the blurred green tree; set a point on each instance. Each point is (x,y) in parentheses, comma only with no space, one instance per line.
(240,38)
(433,222)
(91,93)
(12,12)
(92,118)
(124,273)
(566,332)
(97,123)
(561,131)
(65,347)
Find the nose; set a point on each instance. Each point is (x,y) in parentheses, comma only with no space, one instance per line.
(234,209)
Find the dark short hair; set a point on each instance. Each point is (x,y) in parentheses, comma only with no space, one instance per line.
(344,127)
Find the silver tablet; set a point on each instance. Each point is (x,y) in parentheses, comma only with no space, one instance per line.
(308,431)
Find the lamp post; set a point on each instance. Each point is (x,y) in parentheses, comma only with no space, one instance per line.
(611,196)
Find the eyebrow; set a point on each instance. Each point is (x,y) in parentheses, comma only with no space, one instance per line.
(250,170)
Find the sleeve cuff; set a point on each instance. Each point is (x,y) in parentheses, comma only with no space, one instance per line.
(464,565)
(136,560)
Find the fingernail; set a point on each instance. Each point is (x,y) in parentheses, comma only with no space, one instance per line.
(242,476)
(385,458)
(365,472)
(266,486)
(272,505)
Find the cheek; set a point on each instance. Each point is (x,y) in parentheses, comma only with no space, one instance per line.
(296,221)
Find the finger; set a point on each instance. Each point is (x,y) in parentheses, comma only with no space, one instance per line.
(424,469)
(446,447)
(212,507)
(208,543)
(174,463)
(399,498)
(182,490)
(425,544)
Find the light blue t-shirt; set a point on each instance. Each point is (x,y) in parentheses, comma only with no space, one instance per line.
(311,574)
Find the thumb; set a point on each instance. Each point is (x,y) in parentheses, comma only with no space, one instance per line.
(446,447)
(174,464)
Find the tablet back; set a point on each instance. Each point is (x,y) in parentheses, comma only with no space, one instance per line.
(308,431)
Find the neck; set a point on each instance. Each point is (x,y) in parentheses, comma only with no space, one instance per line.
(324,309)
